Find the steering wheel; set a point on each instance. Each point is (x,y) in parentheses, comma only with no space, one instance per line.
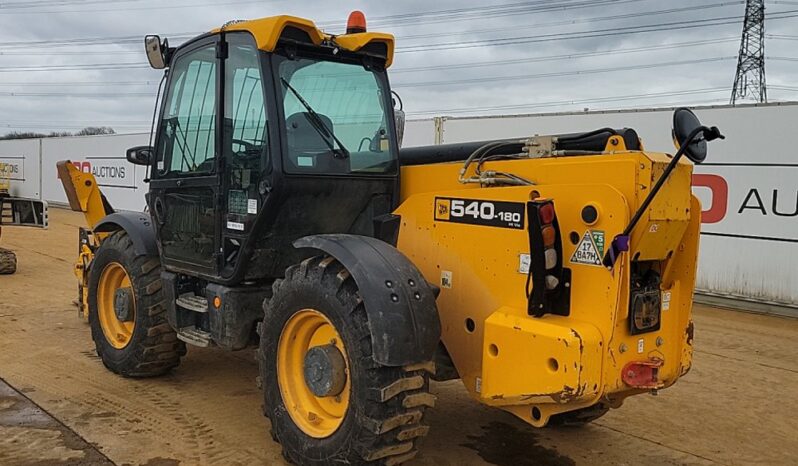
(250,149)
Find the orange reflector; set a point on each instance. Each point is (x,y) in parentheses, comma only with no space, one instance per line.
(546,213)
(217,302)
(548,235)
(356,22)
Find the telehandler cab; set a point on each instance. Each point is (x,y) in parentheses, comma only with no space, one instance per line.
(552,274)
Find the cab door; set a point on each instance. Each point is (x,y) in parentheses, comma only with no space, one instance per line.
(246,145)
(185,183)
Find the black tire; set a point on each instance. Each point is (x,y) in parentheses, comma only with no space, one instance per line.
(153,348)
(579,417)
(8,262)
(382,425)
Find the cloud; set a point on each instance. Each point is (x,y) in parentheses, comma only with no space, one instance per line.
(514,33)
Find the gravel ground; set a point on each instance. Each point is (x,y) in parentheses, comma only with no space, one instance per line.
(738,406)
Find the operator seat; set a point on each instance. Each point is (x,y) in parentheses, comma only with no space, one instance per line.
(308,150)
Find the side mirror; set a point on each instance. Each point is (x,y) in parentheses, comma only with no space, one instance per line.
(686,122)
(156,51)
(399,118)
(140,155)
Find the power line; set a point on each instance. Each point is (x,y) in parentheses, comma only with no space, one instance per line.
(571,102)
(477,12)
(569,22)
(90,95)
(88,66)
(117,10)
(568,56)
(679,25)
(441,15)
(393,71)
(482,13)
(81,83)
(17,5)
(121,40)
(558,74)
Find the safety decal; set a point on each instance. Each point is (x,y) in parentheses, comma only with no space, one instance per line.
(446,279)
(590,249)
(235,226)
(478,212)
(598,239)
(524,261)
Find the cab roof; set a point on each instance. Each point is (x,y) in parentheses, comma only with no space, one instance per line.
(268,31)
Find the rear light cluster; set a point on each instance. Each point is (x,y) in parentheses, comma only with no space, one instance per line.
(546,272)
(549,234)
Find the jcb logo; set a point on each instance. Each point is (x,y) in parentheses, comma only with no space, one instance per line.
(442,209)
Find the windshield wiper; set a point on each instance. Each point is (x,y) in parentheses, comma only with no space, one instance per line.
(321,127)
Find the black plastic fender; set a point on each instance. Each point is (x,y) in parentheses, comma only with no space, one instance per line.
(137,225)
(400,303)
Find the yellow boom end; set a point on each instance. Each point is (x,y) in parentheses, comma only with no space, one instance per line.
(82,192)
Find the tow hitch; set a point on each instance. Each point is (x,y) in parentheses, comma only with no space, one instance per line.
(643,374)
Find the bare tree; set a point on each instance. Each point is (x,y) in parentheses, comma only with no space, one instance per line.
(92,130)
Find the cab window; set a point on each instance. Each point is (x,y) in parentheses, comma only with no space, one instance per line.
(350,132)
(187,142)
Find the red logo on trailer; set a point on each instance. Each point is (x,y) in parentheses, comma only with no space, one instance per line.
(84,167)
(720,196)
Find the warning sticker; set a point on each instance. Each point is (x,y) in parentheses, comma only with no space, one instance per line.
(598,239)
(588,251)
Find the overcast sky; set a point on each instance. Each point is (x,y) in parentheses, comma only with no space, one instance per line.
(444,63)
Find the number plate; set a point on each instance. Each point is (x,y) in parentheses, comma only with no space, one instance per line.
(479,212)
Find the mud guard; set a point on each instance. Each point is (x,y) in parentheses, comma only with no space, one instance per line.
(138,227)
(400,303)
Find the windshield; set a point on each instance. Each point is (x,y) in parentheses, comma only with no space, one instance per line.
(336,120)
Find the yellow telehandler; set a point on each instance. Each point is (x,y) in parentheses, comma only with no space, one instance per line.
(553,275)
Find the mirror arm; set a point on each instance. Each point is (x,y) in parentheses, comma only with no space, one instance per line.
(621,242)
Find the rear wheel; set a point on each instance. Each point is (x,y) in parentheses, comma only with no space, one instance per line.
(329,402)
(127,313)
(8,262)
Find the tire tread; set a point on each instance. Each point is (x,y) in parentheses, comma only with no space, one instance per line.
(390,423)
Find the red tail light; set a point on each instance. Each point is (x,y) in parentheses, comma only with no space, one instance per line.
(356,22)
(546,213)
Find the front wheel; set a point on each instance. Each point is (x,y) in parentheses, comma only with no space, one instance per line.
(127,313)
(329,402)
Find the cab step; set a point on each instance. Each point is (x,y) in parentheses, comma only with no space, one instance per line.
(192,302)
(194,336)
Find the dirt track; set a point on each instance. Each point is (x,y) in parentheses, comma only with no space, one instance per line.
(739,404)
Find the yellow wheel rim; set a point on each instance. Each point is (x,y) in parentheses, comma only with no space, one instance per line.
(318,417)
(112,278)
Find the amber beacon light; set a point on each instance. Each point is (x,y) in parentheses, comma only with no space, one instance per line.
(356,22)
